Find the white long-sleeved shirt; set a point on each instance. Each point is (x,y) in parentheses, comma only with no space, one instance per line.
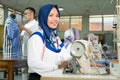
(50,59)
(33,26)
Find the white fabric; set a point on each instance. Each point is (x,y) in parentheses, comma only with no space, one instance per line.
(69,35)
(33,26)
(50,59)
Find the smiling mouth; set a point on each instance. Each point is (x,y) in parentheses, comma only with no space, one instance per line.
(54,23)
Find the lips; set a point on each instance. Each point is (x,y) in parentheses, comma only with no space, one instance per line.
(54,23)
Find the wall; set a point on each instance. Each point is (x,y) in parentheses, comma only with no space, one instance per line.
(1,35)
(2,28)
(85,30)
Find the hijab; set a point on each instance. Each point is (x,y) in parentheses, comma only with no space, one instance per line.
(50,35)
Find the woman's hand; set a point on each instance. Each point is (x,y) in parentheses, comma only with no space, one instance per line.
(63,64)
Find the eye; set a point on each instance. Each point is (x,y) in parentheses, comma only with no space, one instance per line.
(50,15)
(54,15)
(57,15)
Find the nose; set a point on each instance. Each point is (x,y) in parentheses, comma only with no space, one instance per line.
(56,18)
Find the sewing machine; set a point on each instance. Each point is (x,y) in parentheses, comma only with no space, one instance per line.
(83,52)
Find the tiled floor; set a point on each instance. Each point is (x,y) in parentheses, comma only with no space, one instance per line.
(20,76)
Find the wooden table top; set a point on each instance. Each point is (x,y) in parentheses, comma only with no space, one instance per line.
(12,58)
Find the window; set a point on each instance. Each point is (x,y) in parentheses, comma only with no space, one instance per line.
(76,22)
(67,22)
(1,15)
(64,23)
(24,20)
(108,22)
(95,23)
(19,17)
(10,11)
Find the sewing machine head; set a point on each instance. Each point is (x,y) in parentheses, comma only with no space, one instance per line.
(77,49)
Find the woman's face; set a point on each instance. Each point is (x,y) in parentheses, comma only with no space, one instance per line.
(53,19)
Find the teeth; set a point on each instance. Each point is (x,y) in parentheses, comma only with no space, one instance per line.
(54,23)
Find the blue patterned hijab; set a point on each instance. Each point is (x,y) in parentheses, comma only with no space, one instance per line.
(49,34)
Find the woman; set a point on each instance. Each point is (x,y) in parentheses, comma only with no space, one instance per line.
(46,53)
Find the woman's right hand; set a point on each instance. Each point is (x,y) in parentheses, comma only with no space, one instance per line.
(63,64)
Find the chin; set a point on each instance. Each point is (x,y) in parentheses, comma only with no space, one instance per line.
(53,27)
